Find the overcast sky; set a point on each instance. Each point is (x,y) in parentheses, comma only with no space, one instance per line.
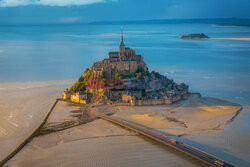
(73,11)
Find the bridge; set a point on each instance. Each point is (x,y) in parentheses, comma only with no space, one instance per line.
(193,152)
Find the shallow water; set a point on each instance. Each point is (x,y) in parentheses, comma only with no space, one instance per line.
(35,53)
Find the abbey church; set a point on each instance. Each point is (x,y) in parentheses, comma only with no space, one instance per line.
(125,62)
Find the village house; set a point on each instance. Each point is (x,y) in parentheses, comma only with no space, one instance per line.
(67,94)
(79,97)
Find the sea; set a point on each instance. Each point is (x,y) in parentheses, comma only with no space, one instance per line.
(216,67)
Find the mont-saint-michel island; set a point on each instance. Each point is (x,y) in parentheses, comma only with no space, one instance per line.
(124,79)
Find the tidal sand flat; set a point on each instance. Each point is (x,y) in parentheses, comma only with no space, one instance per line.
(193,116)
(97,143)
(23,106)
(101,143)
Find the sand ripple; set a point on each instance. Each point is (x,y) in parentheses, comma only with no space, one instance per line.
(23,110)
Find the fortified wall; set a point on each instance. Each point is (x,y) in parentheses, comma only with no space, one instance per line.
(168,100)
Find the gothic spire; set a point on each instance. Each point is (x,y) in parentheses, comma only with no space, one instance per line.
(122,43)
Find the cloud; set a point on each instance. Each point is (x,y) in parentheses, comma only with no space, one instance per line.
(13,3)
(104,35)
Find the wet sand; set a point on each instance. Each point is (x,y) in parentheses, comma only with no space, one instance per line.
(232,144)
(194,116)
(23,107)
(98,143)
(67,115)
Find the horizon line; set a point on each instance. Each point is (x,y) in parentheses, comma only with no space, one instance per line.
(140,21)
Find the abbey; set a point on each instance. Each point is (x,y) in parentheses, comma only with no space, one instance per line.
(126,62)
(124,79)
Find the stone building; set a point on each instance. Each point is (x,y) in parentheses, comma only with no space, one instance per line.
(125,62)
(67,94)
(79,97)
(127,96)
